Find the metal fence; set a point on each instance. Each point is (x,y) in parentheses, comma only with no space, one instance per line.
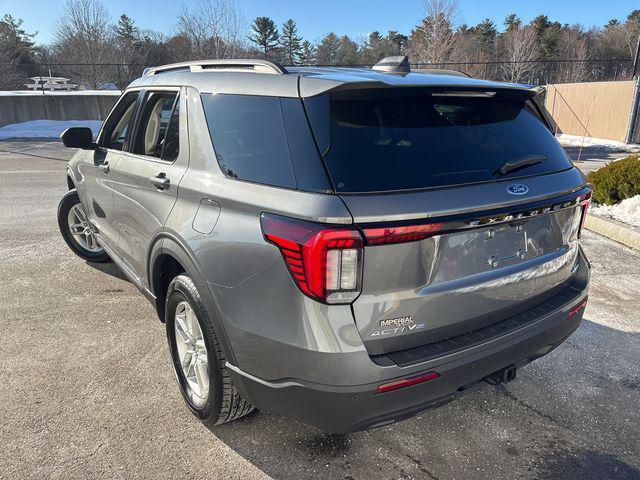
(119,75)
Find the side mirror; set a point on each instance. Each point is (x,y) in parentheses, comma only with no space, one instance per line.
(78,137)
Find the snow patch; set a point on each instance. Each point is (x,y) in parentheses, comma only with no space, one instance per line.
(46,128)
(627,211)
(567,140)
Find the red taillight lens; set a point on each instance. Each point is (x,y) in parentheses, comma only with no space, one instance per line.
(587,199)
(323,260)
(406,382)
(575,310)
(409,233)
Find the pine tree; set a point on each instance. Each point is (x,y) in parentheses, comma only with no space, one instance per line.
(264,34)
(290,42)
(14,37)
(308,53)
(512,22)
(329,50)
(127,34)
(486,33)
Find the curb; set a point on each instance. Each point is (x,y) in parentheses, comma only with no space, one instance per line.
(614,230)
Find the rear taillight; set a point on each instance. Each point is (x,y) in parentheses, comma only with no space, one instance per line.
(400,234)
(324,261)
(586,198)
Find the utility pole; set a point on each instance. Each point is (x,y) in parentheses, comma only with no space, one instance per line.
(632,126)
(634,73)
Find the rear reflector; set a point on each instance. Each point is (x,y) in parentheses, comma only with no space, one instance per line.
(409,233)
(575,310)
(406,382)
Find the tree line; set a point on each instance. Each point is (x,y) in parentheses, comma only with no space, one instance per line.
(91,47)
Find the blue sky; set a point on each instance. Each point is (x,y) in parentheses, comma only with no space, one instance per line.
(316,18)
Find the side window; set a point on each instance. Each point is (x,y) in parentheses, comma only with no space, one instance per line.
(158,126)
(172,137)
(249,138)
(118,126)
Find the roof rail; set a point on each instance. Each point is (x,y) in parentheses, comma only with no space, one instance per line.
(256,66)
(398,64)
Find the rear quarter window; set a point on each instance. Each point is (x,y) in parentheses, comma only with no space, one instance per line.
(249,139)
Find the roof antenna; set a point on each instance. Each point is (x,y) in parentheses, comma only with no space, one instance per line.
(397,64)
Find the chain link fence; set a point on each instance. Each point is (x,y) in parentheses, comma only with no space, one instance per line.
(106,76)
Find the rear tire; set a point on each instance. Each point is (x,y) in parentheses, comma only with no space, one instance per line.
(76,229)
(215,400)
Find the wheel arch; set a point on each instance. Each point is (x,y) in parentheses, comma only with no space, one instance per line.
(169,257)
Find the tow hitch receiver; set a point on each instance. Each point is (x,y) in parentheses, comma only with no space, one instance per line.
(505,375)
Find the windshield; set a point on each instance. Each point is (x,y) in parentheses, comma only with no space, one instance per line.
(402,139)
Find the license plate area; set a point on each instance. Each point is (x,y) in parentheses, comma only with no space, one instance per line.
(505,244)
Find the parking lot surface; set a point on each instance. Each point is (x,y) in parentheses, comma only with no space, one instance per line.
(87,391)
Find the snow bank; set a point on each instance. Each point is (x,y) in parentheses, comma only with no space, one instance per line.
(45,128)
(592,142)
(31,93)
(627,211)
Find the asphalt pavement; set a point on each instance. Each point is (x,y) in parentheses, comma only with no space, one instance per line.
(87,390)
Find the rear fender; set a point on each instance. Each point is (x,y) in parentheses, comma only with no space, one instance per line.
(167,244)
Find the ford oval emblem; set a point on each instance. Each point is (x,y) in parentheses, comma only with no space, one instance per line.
(517,189)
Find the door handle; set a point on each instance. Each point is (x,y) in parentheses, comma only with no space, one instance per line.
(104,167)
(161,181)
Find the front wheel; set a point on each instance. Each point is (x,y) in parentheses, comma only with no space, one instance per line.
(77,231)
(198,360)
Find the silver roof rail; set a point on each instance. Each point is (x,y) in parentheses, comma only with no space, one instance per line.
(398,64)
(238,65)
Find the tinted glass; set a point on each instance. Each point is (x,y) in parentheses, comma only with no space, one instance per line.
(399,139)
(249,138)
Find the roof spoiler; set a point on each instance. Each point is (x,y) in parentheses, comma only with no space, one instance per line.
(397,64)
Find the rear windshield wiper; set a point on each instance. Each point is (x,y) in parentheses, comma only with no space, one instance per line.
(512,165)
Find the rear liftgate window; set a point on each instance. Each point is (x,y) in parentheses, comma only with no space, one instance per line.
(403,139)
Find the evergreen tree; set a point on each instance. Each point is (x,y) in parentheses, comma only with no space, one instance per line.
(16,39)
(307,54)
(290,42)
(265,35)
(348,52)
(329,50)
(486,33)
(126,32)
(512,22)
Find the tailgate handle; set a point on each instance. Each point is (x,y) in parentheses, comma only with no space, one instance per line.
(161,181)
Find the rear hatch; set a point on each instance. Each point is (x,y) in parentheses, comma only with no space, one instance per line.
(469,207)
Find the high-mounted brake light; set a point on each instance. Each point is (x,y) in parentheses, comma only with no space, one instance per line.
(410,233)
(324,260)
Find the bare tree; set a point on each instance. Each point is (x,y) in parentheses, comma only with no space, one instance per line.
(432,40)
(521,50)
(214,28)
(10,71)
(83,35)
(573,46)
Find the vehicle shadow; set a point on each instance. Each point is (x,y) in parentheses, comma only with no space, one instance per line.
(536,427)
(109,268)
(594,154)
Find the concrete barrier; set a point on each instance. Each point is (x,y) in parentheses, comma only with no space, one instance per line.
(68,106)
(618,231)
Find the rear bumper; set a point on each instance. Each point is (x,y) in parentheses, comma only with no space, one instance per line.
(340,409)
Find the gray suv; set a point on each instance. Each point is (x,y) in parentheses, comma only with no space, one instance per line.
(346,247)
